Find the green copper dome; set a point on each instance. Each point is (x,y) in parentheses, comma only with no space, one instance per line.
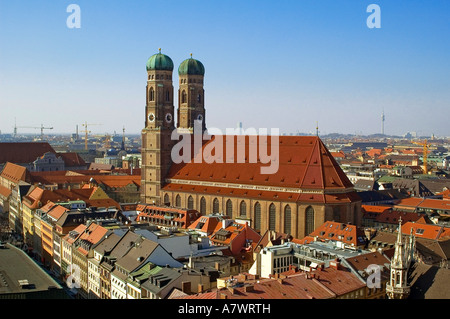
(160,61)
(191,67)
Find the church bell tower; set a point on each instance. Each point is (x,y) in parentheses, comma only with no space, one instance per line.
(159,124)
(191,95)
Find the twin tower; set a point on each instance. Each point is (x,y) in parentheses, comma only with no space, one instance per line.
(160,119)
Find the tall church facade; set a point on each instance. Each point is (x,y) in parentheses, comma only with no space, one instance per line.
(308,188)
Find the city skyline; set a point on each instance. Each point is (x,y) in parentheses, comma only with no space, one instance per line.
(287,67)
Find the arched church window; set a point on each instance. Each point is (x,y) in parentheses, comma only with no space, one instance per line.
(190,202)
(215,206)
(178,201)
(199,98)
(151,94)
(309,220)
(287,220)
(243,209)
(272,216)
(257,218)
(203,206)
(167,96)
(166,199)
(229,207)
(183,96)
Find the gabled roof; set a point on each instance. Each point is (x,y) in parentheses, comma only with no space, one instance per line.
(138,254)
(304,163)
(426,231)
(208,223)
(348,234)
(23,152)
(15,173)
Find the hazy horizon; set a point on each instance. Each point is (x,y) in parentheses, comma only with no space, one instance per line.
(285,65)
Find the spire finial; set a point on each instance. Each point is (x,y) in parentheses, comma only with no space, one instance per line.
(159,50)
(191,55)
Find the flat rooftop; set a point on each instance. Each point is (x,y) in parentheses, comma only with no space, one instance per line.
(20,274)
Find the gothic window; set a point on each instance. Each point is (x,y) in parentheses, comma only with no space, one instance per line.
(167,96)
(216,206)
(190,203)
(257,222)
(166,199)
(178,201)
(336,214)
(243,209)
(309,220)
(183,96)
(272,213)
(151,94)
(229,207)
(203,206)
(287,220)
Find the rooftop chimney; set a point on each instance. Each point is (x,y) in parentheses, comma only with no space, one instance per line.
(186,287)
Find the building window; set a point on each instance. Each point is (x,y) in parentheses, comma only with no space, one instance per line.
(243,209)
(229,207)
(167,96)
(199,98)
(151,94)
(272,213)
(215,206)
(309,220)
(166,199)
(257,219)
(190,202)
(178,201)
(203,206)
(183,97)
(336,214)
(287,220)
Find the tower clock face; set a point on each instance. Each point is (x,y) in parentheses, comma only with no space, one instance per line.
(151,117)
(200,117)
(169,118)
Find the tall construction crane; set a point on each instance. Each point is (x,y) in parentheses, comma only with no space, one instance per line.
(42,128)
(425,154)
(86,131)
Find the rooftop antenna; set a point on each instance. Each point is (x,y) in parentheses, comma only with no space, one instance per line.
(317,128)
(382,122)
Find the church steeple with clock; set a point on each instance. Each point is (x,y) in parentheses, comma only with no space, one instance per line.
(159,124)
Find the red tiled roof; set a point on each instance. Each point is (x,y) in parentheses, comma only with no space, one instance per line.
(426,230)
(72,159)
(393,217)
(23,153)
(5,192)
(435,204)
(304,162)
(208,224)
(348,234)
(14,173)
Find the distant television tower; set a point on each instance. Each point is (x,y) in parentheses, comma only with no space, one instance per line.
(382,123)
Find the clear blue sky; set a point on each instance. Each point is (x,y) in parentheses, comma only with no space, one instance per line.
(269,64)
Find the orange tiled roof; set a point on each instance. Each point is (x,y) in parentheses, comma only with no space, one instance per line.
(426,230)
(5,192)
(208,224)
(375,208)
(57,211)
(14,173)
(435,204)
(304,162)
(348,234)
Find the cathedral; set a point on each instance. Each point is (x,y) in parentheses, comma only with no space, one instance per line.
(307,189)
